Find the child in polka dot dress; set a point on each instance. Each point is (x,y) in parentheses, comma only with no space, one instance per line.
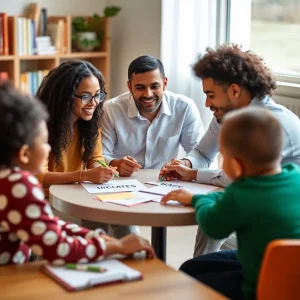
(27,223)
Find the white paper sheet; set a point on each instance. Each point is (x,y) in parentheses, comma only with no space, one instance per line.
(131,185)
(164,187)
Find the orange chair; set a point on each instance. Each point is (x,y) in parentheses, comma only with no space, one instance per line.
(279,277)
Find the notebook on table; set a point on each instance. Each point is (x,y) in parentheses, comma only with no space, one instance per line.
(74,280)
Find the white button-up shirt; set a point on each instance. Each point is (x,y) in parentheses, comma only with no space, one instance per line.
(126,132)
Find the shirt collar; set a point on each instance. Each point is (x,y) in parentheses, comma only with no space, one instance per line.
(259,101)
(133,112)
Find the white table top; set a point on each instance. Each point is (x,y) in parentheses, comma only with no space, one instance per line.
(74,200)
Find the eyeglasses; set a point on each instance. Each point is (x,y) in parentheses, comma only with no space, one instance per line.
(86,99)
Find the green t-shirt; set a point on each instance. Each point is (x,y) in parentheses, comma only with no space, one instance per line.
(260,209)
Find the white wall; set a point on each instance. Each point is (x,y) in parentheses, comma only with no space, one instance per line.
(55,7)
(135,32)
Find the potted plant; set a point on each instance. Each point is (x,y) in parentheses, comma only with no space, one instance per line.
(87,33)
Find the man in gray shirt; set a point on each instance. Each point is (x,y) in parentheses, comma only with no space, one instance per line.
(231,79)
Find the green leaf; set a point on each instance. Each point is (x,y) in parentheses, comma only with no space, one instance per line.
(111,11)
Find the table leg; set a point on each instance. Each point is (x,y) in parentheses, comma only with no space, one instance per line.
(158,240)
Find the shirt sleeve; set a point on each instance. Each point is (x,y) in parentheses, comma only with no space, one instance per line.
(193,129)
(97,154)
(30,217)
(217,213)
(109,136)
(204,154)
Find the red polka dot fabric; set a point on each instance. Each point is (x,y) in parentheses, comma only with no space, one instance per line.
(28,224)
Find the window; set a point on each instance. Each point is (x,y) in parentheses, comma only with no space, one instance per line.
(271,29)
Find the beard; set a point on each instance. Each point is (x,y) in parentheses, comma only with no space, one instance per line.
(148,104)
(220,113)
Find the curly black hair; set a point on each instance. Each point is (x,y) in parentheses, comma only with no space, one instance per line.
(229,64)
(20,118)
(57,92)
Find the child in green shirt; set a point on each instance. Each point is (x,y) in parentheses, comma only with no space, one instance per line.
(261,205)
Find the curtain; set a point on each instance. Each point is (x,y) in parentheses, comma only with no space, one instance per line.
(188,28)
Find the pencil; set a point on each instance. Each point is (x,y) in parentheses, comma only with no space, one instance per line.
(104,165)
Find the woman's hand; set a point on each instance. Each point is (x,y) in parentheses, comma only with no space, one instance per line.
(99,174)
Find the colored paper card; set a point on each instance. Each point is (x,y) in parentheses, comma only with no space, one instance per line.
(116,196)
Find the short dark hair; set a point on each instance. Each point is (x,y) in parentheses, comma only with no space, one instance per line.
(57,92)
(229,64)
(252,134)
(145,64)
(20,117)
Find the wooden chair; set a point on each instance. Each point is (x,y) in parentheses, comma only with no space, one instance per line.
(279,277)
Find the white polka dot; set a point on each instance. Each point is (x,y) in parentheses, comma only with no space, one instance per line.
(16,169)
(91,251)
(48,211)
(58,262)
(3,202)
(4,173)
(70,239)
(63,234)
(50,238)
(38,193)
(77,229)
(14,217)
(83,260)
(13,237)
(81,240)
(38,228)
(32,211)
(61,222)
(63,249)
(90,234)
(5,225)
(32,180)
(19,190)
(37,250)
(19,258)
(71,226)
(14,177)
(101,243)
(23,235)
(4,258)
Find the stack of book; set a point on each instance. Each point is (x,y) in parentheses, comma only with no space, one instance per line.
(44,46)
(31,81)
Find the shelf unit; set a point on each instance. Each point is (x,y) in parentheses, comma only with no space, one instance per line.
(16,64)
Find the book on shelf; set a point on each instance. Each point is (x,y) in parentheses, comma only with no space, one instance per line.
(30,81)
(43,22)
(57,28)
(4,40)
(33,12)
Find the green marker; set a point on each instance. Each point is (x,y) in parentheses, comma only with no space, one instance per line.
(104,165)
(85,268)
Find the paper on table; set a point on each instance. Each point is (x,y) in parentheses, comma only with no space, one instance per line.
(116,196)
(114,186)
(164,187)
(171,202)
(139,198)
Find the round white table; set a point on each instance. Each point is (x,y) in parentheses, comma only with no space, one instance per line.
(74,200)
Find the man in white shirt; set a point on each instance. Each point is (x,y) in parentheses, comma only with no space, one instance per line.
(144,127)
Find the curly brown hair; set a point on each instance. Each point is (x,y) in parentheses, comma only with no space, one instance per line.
(229,64)
(57,92)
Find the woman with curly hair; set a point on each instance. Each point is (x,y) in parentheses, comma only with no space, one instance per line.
(74,94)
(231,79)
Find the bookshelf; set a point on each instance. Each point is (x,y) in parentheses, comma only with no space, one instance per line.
(15,64)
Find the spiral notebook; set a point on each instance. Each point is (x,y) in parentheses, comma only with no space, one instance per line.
(74,280)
